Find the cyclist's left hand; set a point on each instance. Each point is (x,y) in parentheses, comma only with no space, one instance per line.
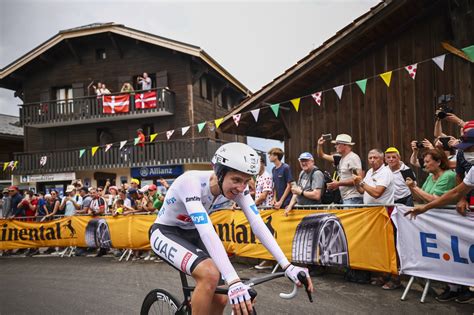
(292,273)
(240,298)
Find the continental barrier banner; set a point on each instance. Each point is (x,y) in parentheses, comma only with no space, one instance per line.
(357,238)
(438,245)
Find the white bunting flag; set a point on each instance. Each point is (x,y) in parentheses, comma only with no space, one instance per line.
(317,97)
(439,61)
(236,119)
(108,146)
(122,143)
(169,133)
(184,130)
(338,90)
(411,70)
(255,114)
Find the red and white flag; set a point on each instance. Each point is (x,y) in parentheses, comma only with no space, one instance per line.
(317,97)
(145,100)
(411,70)
(115,103)
(236,119)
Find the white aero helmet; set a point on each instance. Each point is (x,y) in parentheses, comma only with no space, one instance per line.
(236,156)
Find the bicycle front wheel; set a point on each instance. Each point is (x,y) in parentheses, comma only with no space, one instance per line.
(159,302)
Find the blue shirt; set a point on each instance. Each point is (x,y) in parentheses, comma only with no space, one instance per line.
(281,177)
(16,199)
(41,203)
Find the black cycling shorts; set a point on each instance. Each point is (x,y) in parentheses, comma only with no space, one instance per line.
(182,249)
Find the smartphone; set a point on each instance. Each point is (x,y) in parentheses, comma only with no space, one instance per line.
(408,173)
(354,171)
(293,184)
(444,141)
(327,137)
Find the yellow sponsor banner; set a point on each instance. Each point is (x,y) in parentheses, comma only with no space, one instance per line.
(356,238)
(118,232)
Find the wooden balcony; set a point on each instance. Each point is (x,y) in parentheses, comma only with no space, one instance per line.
(5,175)
(155,153)
(85,110)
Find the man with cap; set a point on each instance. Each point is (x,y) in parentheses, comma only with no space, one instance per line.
(349,164)
(70,203)
(309,189)
(402,194)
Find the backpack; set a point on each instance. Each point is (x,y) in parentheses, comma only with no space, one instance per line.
(328,196)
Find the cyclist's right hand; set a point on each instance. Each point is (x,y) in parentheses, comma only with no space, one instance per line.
(239,297)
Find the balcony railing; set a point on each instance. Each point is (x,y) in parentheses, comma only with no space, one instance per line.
(90,109)
(155,153)
(5,175)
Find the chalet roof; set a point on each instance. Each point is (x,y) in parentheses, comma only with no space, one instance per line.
(9,125)
(120,29)
(378,24)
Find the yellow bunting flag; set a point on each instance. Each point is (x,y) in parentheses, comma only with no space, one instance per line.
(5,165)
(218,122)
(386,77)
(94,150)
(153,136)
(296,103)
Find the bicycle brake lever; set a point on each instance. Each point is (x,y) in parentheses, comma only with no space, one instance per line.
(302,277)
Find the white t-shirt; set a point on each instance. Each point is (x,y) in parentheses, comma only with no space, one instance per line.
(146,83)
(401,189)
(348,163)
(469,178)
(381,177)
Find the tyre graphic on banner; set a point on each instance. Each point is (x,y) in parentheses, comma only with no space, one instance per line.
(320,239)
(98,234)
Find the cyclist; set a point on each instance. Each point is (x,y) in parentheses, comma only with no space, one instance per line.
(183,234)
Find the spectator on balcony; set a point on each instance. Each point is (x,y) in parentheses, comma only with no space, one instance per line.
(98,89)
(127,88)
(16,199)
(144,81)
(281,179)
(104,90)
(6,204)
(71,202)
(264,186)
(141,138)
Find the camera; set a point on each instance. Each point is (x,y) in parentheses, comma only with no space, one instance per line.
(443,108)
(419,144)
(327,137)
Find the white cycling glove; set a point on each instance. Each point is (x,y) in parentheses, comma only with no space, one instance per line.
(292,273)
(238,292)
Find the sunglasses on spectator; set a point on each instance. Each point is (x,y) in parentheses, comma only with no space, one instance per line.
(99,189)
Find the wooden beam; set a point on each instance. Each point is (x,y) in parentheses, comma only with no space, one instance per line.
(455,51)
(115,43)
(73,51)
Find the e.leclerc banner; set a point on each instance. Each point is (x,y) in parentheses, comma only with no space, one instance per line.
(438,245)
(356,238)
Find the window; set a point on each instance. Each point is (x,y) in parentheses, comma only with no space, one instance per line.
(100,54)
(64,100)
(205,88)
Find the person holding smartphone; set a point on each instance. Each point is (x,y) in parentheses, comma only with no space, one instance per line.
(400,171)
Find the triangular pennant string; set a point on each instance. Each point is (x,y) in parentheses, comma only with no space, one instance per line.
(338,90)
(411,69)
(108,146)
(136,140)
(201,126)
(169,133)
(15,165)
(122,144)
(94,150)
(184,130)
(439,61)
(275,108)
(81,152)
(469,51)
(152,137)
(362,85)
(236,119)
(43,160)
(5,165)
(386,77)
(317,97)
(255,114)
(218,122)
(296,103)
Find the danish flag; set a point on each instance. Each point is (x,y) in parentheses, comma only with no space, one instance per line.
(145,100)
(115,103)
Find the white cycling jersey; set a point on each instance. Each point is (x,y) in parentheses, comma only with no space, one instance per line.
(189,202)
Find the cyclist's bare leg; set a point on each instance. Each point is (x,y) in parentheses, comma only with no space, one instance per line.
(207,277)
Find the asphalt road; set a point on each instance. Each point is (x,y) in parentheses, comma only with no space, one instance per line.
(88,285)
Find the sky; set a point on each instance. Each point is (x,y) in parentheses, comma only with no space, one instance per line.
(255,41)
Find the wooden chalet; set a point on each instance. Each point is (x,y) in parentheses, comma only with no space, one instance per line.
(11,139)
(61,113)
(392,35)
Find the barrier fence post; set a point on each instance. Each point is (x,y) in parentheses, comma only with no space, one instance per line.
(410,282)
